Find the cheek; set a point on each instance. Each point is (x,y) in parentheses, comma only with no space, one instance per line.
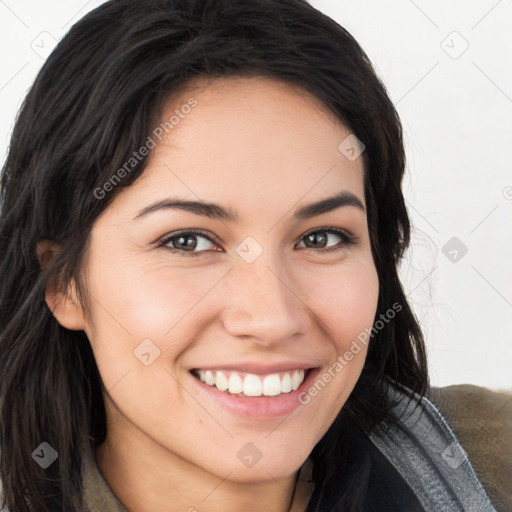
(133,303)
(345,300)
(148,300)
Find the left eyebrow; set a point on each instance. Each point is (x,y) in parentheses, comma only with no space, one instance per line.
(344,198)
(216,211)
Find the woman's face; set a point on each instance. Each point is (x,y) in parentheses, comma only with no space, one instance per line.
(262,292)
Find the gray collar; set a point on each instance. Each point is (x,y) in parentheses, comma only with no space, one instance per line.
(424,450)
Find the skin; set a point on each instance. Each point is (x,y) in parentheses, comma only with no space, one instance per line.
(263,149)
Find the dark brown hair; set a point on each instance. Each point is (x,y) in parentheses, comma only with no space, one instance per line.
(94,102)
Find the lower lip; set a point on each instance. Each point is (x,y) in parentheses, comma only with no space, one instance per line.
(258,407)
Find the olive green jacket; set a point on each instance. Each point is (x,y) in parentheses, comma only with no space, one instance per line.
(481,420)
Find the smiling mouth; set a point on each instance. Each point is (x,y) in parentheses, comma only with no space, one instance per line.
(250,384)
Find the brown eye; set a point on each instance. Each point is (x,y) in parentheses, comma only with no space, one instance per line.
(190,242)
(316,240)
(320,239)
(187,242)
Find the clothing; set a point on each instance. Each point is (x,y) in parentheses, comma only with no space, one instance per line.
(424,449)
(432,448)
(481,420)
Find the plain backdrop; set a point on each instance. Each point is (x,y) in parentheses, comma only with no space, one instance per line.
(448,69)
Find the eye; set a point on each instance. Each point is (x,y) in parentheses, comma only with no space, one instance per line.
(193,243)
(319,239)
(187,242)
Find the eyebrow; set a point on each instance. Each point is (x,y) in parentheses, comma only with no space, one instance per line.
(218,212)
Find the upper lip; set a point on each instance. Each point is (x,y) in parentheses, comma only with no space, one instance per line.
(259,368)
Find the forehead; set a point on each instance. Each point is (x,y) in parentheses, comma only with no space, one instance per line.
(249,140)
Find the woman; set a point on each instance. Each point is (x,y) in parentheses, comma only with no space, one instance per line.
(200,308)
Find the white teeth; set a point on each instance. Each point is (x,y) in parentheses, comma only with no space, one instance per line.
(286,383)
(209,378)
(297,378)
(272,385)
(253,385)
(236,384)
(221,381)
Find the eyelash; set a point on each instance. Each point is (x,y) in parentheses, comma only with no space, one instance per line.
(347,240)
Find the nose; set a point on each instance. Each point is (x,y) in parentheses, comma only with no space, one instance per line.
(263,305)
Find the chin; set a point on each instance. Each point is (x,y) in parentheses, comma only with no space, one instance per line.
(263,461)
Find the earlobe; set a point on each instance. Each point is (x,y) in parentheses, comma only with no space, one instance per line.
(63,304)
(65,308)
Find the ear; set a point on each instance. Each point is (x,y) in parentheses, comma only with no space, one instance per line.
(63,304)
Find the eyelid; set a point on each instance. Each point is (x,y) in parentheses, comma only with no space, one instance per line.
(333,229)
(347,239)
(209,236)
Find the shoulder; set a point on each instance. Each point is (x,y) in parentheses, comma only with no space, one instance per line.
(481,419)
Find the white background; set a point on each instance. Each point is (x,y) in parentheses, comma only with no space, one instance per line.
(448,69)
